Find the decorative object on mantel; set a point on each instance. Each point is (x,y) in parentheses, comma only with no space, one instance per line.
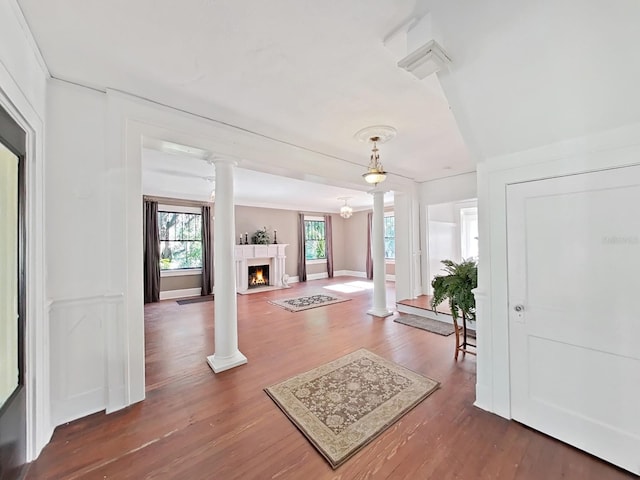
(246,238)
(297,304)
(345,211)
(343,405)
(261,237)
(275,237)
(375,134)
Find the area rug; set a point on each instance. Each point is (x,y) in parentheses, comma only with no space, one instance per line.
(187,301)
(298,304)
(428,324)
(343,405)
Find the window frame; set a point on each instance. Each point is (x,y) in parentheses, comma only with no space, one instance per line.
(315,261)
(181,272)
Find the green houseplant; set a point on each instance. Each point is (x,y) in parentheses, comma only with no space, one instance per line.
(261,237)
(457,287)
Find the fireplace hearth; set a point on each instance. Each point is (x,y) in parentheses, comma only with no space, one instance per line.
(258,276)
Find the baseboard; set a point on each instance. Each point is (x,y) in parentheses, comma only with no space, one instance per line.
(483,398)
(185,292)
(349,273)
(337,273)
(317,276)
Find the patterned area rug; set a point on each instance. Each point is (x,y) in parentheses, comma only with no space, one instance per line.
(428,324)
(343,405)
(310,301)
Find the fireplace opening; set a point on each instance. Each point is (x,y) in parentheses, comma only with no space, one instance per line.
(258,276)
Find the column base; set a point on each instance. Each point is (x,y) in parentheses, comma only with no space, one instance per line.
(221,364)
(380,312)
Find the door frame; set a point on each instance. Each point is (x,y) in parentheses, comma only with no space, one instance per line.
(13,138)
(611,149)
(36,366)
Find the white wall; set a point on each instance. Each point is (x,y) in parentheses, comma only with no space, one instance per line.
(77,237)
(23,78)
(441,196)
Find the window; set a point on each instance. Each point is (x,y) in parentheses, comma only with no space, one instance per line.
(314,239)
(389,237)
(180,240)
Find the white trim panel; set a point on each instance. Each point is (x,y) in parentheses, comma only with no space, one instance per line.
(183,293)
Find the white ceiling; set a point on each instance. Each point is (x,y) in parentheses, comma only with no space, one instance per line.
(300,71)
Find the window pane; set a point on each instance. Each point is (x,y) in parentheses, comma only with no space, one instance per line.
(315,249)
(314,232)
(390,237)
(180,240)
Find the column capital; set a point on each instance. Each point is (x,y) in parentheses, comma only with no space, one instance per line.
(222,160)
(376,191)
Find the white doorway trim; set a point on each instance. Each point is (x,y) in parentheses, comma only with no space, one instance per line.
(39,429)
(615,148)
(129,121)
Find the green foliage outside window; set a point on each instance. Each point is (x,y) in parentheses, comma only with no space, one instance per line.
(180,240)
(390,237)
(314,240)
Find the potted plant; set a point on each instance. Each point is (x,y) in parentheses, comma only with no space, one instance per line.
(261,237)
(457,287)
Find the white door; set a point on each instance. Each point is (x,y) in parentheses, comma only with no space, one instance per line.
(574,303)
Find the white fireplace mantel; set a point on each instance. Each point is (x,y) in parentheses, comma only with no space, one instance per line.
(272,254)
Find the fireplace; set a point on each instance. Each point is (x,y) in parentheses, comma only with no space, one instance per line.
(258,276)
(270,258)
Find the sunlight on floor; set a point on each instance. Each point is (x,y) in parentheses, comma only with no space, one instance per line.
(350,287)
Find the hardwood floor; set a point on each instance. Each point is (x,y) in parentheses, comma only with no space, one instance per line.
(198,425)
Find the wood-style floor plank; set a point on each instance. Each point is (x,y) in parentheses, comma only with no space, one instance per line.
(198,425)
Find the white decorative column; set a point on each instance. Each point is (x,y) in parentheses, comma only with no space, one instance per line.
(379,308)
(408,281)
(226,354)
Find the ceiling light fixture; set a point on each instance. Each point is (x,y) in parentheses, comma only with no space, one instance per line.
(375,173)
(345,211)
(375,134)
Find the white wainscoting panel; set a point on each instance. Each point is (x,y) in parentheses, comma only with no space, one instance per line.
(78,353)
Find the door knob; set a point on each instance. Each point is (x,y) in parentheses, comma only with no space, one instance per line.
(519,308)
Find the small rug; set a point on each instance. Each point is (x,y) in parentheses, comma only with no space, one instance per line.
(343,405)
(428,324)
(187,301)
(298,304)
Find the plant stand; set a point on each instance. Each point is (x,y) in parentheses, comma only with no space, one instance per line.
(464,345)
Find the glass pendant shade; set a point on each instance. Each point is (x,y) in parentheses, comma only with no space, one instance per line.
(346,211)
